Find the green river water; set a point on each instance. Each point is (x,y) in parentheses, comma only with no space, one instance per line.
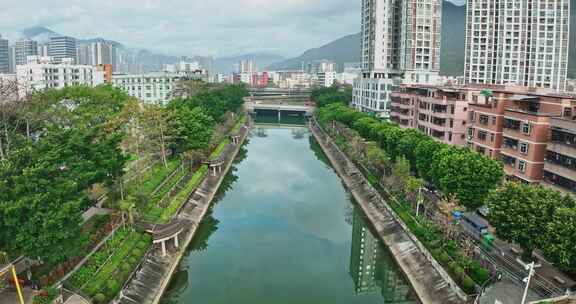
(284,230)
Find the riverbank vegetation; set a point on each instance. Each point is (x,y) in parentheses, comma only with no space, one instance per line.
(64,151)
(529,215)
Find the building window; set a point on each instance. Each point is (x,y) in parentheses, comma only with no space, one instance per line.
(522,166)
(524,148)
(482,135)
(509,161)
(483,119)
(526,128)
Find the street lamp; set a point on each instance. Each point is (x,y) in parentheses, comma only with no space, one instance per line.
(530,267)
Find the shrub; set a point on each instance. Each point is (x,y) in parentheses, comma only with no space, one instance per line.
(113,288)
(468,285)
(142,245)
(459,272)
(136,253)
(479,274)
(147,238)
(125,267)
(444,258)
(133,261)
(100,298)
(123,275)
(452,266)
(112,284)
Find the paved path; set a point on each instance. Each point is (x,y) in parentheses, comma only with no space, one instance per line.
(152,279)
(9,296)
(428,279)
(506,292)
(75,299)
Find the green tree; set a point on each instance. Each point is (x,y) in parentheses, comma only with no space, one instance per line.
(520,213)
(43,182)
(192,128)
(377,159)
(400,174)
(156,124)
(330,95)
(467,174)
(559,240)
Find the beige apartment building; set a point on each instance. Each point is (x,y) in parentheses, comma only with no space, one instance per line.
(518,126)
(440,112)
(531,131)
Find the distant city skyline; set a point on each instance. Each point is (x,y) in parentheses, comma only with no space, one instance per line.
(180,27)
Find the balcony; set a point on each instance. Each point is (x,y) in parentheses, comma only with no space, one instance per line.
(563,139)
(559,182)
(527,113)
(440,135)
(560,170)
(439,100)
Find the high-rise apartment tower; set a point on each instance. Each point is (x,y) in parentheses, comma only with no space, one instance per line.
(62,47)
(522,42)
(400,44)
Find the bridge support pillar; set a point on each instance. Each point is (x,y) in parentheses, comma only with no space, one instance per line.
(163,248)
(279,116)
(176,243)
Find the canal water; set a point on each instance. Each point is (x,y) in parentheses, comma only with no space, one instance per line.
(284,230)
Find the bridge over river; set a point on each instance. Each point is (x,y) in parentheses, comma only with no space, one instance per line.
(280,106)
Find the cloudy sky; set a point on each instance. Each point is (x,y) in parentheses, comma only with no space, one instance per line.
(191,27)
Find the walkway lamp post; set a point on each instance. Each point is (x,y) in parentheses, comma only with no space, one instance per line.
(419,201)
(531,272)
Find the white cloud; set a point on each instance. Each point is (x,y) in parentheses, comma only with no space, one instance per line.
(189,27)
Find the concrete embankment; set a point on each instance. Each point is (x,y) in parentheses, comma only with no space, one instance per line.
(429,281)
(151,281)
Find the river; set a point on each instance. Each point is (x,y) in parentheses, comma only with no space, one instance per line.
(284,230)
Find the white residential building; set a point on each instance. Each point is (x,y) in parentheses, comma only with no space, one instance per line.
(347,78)
(324,79)
(154,87)
(247,66)
(400,43)
(518,42)
(40,73)
(320,66)
(4,56)
(43,50)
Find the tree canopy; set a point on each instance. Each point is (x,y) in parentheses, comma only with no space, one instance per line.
(63,151)
(460,171)
(333,94)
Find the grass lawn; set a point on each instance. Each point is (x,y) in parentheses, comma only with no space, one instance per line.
(218,151)
(238,125)
(153,177)
(183,195)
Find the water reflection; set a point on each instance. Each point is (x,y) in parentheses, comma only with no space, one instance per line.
(284,230)
(372,267)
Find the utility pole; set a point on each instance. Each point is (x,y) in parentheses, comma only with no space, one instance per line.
(531,272)
(418,201)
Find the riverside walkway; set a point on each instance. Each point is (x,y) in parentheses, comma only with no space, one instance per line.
(429,281)
(151,279)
